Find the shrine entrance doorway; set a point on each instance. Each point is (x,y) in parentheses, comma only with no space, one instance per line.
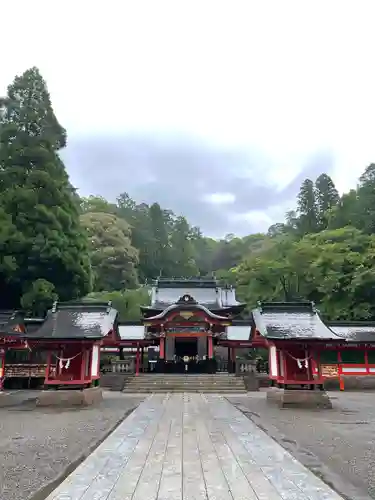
(186,346)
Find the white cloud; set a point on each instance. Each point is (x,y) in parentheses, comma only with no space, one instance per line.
(286,78)
(258,220)
(220,198)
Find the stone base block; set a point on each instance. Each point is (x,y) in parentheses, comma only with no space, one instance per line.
(74,397)
(6,399)
(289,398)
(251,382)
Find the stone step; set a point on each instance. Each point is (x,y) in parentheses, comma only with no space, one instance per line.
(181,384)
(182,389)
(186,389)
(147,383)
(193,382)
(187,378)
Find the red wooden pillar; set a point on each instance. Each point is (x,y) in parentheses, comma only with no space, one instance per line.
(284,355)
(162,348)
(48,367)
(341,380)
(142,359)
(137,361)
(318,367)
(310,363)
(210,347)
(83,362)
(2,369)
(233,355)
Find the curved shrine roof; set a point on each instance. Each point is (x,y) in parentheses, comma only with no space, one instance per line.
(77,321)
(354,331)
(186,302)
(291,321)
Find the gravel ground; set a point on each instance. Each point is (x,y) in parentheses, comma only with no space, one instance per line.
(38,445)
(338,445)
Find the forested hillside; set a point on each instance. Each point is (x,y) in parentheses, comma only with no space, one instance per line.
(54,244)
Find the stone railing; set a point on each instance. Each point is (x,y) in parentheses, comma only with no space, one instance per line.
(222,365)
(123,366)
(245,366)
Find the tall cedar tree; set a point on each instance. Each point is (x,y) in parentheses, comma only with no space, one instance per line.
(47,240)
(160,247)
(182,244)
(327,197)
(366,200)
(307,209)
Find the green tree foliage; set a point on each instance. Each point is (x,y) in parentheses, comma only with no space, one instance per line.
(97,204)
(307,209)
(127,302)
(46,241)
(366,200)
(159,251)
(327,197)
(113,258)
(182,243)
(334,268)
(52,243)
(39,298)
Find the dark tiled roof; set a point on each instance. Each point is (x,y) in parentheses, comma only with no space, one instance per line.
(291,320)
(186,282)
(77,321)
(163,305)
(187,303)
(33,324)
(9,319)
(360,331)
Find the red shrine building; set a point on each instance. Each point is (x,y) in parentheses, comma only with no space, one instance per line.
(62,349)
(188,321)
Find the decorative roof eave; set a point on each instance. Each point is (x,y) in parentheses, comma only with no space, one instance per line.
(352,323)
(355,332)
(305,340)
(30,336)
(136,342)
(175,307)
(234,310)
(58,343)
(186,303)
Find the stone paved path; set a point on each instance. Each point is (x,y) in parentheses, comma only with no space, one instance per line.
(190,447)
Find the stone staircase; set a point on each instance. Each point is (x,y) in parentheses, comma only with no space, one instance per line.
(114,381)
(222,383)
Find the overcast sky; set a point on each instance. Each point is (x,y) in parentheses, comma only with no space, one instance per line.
(215,109)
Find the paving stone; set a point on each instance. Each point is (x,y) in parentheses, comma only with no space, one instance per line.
(191,447)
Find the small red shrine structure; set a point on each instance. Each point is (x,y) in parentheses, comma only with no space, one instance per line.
(354,357)
(296,336)
(71,335)
(12,328)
